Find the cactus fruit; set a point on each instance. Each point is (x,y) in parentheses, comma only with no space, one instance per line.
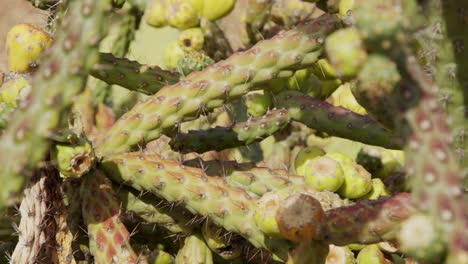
(324,173)
(344,97)
(300,218)
(258,104)
(74,160)
(370,255)
(25,45)
(193,61)
(340,255)
(109,238)
(172,54)
(357,182)
(228,247)
(194,251)
(15,89)
(191,39)
(345,52)
(378,190)
(304,156)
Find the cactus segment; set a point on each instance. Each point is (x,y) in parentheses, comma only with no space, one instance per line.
(25,45)
(345,52)
(375,89)
(109,238)
(258,104)
(371,255)
(219,138)
(370,221)
(156,211)
(61,76)
(131,74)
(229,207)
(227,80)
(194,251)
(336,121)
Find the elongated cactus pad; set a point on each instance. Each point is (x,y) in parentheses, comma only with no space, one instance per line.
(244,133)
(221,82)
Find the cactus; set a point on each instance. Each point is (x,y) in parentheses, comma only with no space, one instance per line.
(279,132)
(255,129)
(109,238)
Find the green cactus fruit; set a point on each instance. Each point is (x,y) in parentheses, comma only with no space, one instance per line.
(300,217)
(392,161)
(344,7)
(419,238)
(357,182)
(15,89)
(378,20)
(172,54)
(370,158)
(161,257)
(182,14)
(225,246)
(344,97)
(345,52)
(191,39)
(258,104)
(378,190)
(304,156)
(156,13)
(340,255)
(356,247)
(370,255)
(265,213)
(193,61)
(324,173)
(194,251)
(214,9)
(25,45)
(344,160)
(74,160)
(375,89)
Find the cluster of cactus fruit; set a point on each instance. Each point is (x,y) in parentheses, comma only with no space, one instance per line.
(276,131)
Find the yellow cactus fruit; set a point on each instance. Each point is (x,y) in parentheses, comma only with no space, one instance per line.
(344,7)
(378,190)
(25,44)
(181,14)
(305,155)
(191,39)
(344,97)
(265,213)
(340,255)
(215,9)
(172,54)
(14,89)
(156,13)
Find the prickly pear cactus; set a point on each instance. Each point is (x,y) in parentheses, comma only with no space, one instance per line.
(240,131)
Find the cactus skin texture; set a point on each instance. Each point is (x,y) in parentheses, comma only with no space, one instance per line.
(229,207)
(336,121)
(132,75)
(25,44)
(221,82)
(194,251)
(61,76)
(367,222)
(244,133)
(109,238)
